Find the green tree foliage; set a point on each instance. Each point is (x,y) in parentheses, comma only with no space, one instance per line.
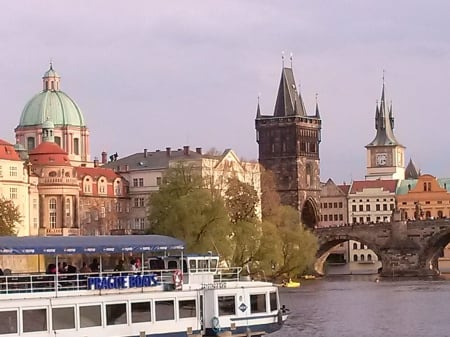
(241,201)
(9,217)
(287,248)
(184,209)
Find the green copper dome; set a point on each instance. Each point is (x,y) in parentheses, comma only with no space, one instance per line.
(52,105)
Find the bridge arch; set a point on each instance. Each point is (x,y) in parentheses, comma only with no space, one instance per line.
(326,243)
(428,257)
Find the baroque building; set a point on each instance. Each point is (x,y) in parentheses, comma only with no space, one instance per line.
(385,155)
(52,104)
(333,204)
(288,143)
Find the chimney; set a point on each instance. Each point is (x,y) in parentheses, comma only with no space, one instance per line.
(168,151)
(198,150)
(96,162)
(145,153)
(186,150)
(104,157)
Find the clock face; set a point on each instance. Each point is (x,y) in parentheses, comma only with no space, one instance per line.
(381,159)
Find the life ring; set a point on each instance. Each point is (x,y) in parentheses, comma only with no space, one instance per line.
(177,279)
(215,324)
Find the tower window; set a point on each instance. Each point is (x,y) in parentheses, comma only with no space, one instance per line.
(58,140)
(30,143)
(76,146)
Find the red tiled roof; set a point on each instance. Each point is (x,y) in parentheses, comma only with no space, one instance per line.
(96,172)
(48,153)
(386,185)
(7,151)
(344,188)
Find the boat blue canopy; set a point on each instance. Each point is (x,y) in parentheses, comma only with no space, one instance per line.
(53,245)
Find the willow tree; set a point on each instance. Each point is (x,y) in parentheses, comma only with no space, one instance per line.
(241,201)
(9,217)
(184,208)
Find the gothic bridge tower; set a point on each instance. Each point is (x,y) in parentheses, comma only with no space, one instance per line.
(288,144)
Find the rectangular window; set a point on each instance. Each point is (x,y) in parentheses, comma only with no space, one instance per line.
(141,312)
(325,217)
(35,320)
(377,207)
(141,182)
(384,207)
(325,205)
(141,202)
(76,146)
(35,223)
(135,182)
(335,217)
(227,305)
(368,208)
(353,208)
(164,310)
(8,322)
(330,205)
(158,181)
(63,318)
(187,308)
(335,205)
(361,208)
(90,315)
(13,171)
(58,140)
(257,303)
(273,302)
(35,204)
(341,217)
(391,206)
(354,220)
(340,205)
(13,193)
(30,143)
(361,219)
(136,202)
(116,314)
(368,219)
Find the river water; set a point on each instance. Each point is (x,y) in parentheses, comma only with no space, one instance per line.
(358,306)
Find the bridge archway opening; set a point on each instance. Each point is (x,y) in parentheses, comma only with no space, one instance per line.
(346,256)
(436,255)
(310,213)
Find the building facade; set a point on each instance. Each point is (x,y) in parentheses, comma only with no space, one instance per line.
(145,173)
(333,204)
(288,144)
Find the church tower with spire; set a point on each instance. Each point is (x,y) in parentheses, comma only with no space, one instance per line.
(385,155)
(288,144)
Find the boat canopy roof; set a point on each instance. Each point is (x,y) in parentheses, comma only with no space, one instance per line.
(53,245)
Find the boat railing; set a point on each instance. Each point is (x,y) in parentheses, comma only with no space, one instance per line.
(31,283)
(227,274)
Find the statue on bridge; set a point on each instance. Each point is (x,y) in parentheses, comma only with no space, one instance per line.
(418,213)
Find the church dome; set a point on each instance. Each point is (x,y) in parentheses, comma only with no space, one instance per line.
(49,153)
(51,104)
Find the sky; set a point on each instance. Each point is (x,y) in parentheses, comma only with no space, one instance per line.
(156,74)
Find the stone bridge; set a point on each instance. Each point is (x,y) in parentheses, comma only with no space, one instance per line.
(405,248)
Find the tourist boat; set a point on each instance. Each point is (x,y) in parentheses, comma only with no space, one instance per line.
(171,294)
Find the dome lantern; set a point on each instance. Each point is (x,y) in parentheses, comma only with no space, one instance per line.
(51,79)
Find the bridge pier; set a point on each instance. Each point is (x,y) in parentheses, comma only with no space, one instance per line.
(400,262)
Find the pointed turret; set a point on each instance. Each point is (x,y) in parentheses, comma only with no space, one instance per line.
(411,171)
(258,110)
(289,101)
(317,115)
(384,124)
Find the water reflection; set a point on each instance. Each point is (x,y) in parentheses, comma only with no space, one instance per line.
(359,306)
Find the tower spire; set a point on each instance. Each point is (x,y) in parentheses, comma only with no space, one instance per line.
(258,110)
(317,106)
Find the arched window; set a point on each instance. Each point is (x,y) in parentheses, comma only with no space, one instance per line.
(369,257)
(52,174)
(117,188)
(355,257)
(52,212)
(87,185)
(362,257)
(102,186)
(355,245)
(76,146)
(68,207)
(440,214)
(361,246)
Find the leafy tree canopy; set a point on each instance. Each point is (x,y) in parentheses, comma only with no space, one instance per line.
(9,217)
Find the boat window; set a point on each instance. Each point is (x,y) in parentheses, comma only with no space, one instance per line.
(202,265)
(227,305)
(172,265)
(164,310)
(184,266)
(63,318)
(90,315)
(157,264)
(257,303)
(116,314)
(8,322)
(273,301)
(213,263)
(34,320)
(141,312)
(192,266)
(187,308)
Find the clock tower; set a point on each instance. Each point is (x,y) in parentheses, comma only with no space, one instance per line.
(385,155)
